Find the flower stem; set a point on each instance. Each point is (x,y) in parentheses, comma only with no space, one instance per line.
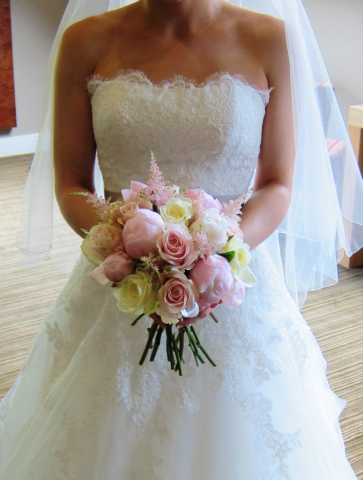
(137,319)
(201,346)
(148,343)
(193,345)
(177,355)
(214,317)
(157,343)
(169,334)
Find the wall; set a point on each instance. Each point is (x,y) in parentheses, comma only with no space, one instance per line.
(34,24)
(338,26)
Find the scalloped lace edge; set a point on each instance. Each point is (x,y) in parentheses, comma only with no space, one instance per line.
(137,76)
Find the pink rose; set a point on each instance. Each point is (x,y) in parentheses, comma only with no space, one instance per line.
(140,233)
(132,195)
(175,294)
(176,245)
(208,200)
(127,211)
(101,241)
(215,281)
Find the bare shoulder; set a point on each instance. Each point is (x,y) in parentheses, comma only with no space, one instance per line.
(265,38)
(85,42)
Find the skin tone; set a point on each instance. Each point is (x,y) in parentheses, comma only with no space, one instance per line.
(194,38)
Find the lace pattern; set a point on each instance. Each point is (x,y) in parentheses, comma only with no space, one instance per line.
(205,134)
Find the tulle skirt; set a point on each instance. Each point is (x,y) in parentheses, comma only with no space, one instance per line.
(82,408)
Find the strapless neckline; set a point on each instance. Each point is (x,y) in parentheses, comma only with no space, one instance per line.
(176,81)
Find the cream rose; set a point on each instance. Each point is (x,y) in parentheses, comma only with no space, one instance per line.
(242,257)
(133,292)
(214,225)
(177,210)
(101,241)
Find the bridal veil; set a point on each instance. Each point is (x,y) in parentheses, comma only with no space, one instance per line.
(325,216)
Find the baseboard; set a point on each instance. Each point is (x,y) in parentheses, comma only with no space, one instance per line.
(18,145)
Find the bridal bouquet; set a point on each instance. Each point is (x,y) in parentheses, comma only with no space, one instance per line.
(171,255)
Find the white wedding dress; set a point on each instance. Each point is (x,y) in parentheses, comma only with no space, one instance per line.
(82,408)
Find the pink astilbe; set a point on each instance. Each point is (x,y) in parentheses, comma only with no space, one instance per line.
(233,208)
(157,190)
(202,244)
(198,204)
(155,266)
(105,210)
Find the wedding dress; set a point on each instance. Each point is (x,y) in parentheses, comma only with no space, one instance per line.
(82,408)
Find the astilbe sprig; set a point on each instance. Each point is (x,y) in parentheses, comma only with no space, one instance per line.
(233,208)
(105,210)
(154,266)
(198,204)
(157,191)
(202,244)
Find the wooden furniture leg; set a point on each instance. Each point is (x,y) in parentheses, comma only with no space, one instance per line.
(355,129)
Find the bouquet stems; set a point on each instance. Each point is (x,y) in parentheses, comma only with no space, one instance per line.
(174,346)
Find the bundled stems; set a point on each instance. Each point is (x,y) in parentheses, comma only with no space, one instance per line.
(174,346)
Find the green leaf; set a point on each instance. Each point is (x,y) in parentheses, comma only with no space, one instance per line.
(228,255)
(230,237)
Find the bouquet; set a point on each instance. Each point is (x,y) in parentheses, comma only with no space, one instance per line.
(172,255)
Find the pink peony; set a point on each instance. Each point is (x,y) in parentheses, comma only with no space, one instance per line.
(176,245)
(215,281)
(141,232)
(132,195)
(117,266)
(207,199)
(114,268)
(176,293)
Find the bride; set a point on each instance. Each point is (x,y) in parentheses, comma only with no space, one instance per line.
(207,86)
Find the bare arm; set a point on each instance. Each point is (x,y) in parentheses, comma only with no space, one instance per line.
(271,196)
(74,143)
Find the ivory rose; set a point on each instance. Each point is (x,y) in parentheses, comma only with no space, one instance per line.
(208,200)
(215,227)
(102,240)
(133,195)
(215,281)
(140,233)
(177,293)
(242,257)
(175,245)
(133,292)
(177,210)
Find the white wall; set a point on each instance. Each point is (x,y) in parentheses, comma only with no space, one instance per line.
(34,24)
(338,26)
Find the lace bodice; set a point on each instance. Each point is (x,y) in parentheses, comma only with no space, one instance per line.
(205,134)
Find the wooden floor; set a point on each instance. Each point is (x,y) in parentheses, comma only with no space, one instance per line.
(335,314)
